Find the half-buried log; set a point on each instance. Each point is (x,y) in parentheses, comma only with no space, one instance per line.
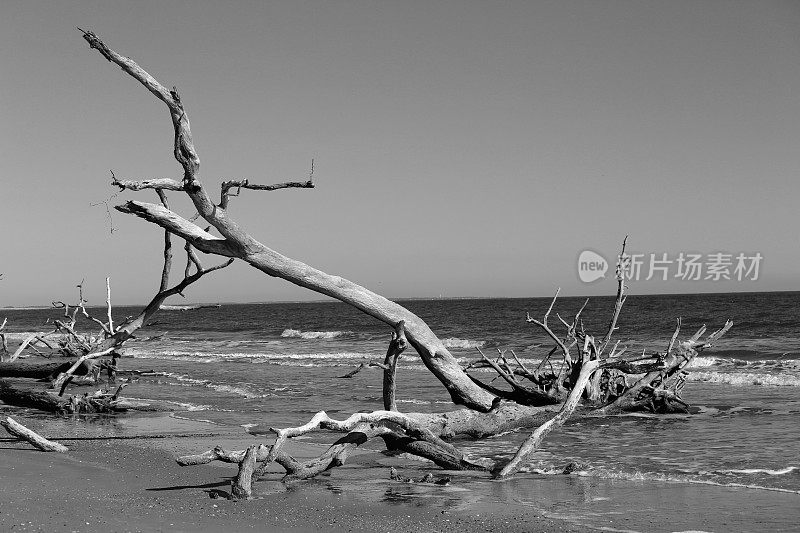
(18,430)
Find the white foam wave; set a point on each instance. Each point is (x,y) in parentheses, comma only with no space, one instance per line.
(703,362)
(747,378)
(777,472)
(455,342)
(672,478)
(219,387)
(183,405)
(542,471)
(174,355)
(743,486)
(309,335)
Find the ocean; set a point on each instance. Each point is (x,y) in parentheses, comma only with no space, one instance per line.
(276,364)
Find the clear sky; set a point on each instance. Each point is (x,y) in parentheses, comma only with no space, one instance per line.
(464,148)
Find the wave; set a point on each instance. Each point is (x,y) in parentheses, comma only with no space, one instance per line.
(703,362)
(240,390)
(455,342)
(780,472)
(779,363)
(186,406)
(746,378)
(309,335)
(671,478)
(176,355)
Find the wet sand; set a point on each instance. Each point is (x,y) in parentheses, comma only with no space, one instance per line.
(135,485)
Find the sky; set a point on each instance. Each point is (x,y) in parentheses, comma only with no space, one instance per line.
(463,148)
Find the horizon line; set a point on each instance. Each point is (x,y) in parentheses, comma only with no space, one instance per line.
(418,298)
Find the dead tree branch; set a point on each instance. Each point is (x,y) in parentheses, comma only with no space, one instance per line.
(159,184)
(535,439)
(620,300)
(238,185)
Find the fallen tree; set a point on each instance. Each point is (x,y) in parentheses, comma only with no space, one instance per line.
(583,372)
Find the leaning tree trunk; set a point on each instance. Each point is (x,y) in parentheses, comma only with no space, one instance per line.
(236,242)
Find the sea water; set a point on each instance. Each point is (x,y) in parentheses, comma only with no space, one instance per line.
(276,364)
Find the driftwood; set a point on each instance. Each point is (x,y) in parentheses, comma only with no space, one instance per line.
(39,442)
(23,345)
(241,487)
(21,393)
(577,370)
(45,371)
(360,367)
(3,341)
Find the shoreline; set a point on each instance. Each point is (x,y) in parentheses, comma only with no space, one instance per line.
(136,485)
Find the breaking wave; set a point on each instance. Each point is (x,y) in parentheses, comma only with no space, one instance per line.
(703,362)
(455,342)
(312,359)
(776,472)
(309,335)
(185,406)
(240,390)
(747,378)
(415,401)
(674,478)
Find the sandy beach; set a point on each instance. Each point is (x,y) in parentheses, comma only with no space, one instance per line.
(115,484)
